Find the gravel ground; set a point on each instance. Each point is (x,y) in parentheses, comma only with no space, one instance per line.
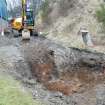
(12,62)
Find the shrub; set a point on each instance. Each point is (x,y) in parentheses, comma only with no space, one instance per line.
(100,14)
(44,8)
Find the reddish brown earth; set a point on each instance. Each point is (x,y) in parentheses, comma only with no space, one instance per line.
(68,82)
(42,71)
(65,87)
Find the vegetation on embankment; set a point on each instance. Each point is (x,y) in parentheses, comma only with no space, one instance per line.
(12,94)
(100,13)
(45,8)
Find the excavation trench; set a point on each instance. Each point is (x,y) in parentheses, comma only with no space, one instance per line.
(78,74)
(65,70)
(67,82)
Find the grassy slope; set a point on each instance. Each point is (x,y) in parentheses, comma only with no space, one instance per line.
(11,93)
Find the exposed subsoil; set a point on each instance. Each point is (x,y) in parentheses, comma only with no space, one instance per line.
(53,74)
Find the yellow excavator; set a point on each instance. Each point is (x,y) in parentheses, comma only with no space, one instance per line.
(25,24)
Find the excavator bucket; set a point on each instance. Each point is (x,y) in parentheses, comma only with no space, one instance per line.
(25,34)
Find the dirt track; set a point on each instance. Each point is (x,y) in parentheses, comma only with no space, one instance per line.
(85,86)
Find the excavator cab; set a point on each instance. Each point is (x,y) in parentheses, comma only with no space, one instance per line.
(29,18)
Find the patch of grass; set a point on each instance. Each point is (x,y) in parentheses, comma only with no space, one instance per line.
(12,94)
(100,14)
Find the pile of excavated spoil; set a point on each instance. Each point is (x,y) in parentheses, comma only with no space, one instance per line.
(54,74)
(65,70)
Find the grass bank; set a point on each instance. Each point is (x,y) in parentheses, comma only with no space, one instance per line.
(12,94)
